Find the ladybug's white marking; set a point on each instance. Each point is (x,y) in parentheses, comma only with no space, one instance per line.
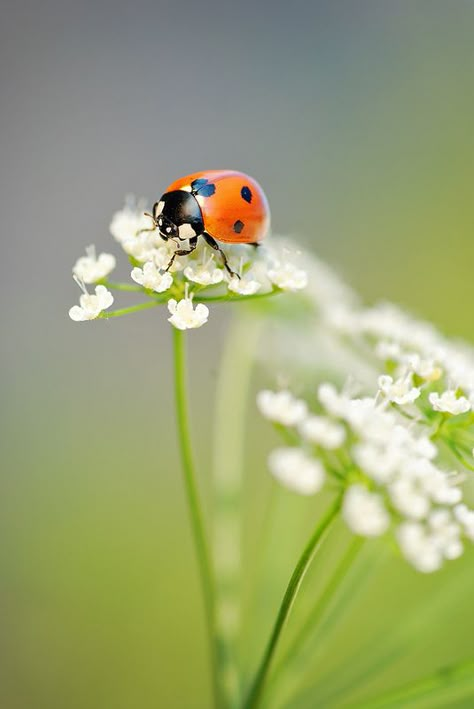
(159,207)
(186,231)
(186,188)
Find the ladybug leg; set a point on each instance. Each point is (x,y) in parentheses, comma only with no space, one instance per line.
(153,228)
(214,245)
(182,252)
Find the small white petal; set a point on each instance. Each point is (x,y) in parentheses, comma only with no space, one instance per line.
(244,286)
(449,402)
(152,278)
(205,274)
(297,471)
(91,306)
(184,316)
(323,432)
(364,512)
(77,313)
(289,277)
(281,407)
(401,391)
(90,268)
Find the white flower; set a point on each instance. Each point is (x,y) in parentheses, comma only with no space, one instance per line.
(205,273)
(408,499)
(246,285)
(91,306)
(426,547)
(281,407)
(418,547)
(297,471)
(447,532)
(449,402)
(161,256)
(141,247)
(364,512)
(92,268)
(388,350)
(465,517)
(287,276)
(128,221)
(425,368)
(378,461)
(184,316)
(401,391)
(323,432)
(152,278)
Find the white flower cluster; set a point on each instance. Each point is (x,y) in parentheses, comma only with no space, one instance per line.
(263,270)
(391,468)
(414,350)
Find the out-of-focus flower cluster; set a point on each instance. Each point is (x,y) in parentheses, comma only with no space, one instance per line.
(399,445)
(266,269)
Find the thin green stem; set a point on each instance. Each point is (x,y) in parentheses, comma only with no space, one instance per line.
(130,287)
(255,693)
(451,676)
(105,315)
(203,298)
(194,505)
(457,454)
(311,624)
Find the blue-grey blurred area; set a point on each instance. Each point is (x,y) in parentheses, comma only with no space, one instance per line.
(356,117)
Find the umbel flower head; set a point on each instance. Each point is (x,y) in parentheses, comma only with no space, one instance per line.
(201,275)
(399,445)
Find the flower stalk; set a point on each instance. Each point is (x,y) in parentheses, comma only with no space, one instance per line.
(256,689)
(194,504)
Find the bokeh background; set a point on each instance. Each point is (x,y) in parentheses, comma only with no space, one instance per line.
(357,117)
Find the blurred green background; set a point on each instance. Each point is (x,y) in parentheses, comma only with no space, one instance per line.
(357,118)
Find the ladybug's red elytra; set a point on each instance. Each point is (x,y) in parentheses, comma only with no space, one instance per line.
(219,205)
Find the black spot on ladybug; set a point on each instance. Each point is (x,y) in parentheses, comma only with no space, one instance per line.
(238,226)
(197,184)
(202,187)
(246,193)
(207,191)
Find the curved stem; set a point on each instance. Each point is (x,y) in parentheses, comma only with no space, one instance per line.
(453,676)
(457,454)
(322,603)
(194,505)
(255,693)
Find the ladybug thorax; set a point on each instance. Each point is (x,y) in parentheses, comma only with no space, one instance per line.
(178,216)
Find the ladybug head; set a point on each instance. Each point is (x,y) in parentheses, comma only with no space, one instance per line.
(178,216)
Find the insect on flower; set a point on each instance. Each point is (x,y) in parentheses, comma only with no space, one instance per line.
(220,205)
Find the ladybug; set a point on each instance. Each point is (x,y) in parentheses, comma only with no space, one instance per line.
(221,206)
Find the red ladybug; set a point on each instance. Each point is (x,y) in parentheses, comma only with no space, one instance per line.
(219,205)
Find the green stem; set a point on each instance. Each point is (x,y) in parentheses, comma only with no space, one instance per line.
(451,676)
(231,298)
(122,286)
(457,454)
(194,505)
(255,693)
(125,311)
(321,604)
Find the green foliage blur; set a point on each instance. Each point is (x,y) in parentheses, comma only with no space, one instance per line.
(357,118)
